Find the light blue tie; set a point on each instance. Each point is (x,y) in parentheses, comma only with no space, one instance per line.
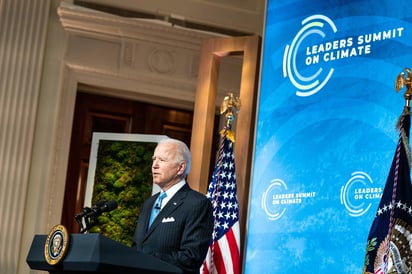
(156,208)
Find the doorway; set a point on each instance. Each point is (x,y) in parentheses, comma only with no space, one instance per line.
(97,113)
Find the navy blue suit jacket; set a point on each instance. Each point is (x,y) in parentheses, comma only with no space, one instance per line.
(181,232)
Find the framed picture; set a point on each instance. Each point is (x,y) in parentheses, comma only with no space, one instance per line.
(120,170)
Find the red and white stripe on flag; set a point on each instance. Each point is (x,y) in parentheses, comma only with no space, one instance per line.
(223,255)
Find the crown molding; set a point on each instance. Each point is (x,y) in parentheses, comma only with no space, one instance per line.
(80,20)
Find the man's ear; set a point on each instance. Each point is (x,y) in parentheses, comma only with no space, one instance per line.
(181,167)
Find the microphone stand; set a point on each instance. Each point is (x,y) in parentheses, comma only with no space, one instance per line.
(86,220)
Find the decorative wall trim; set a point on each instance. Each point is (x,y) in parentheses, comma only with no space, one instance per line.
(150,58)
(23,26)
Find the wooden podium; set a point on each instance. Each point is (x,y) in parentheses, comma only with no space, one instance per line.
(95,253)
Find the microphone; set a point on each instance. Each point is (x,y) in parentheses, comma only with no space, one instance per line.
(157,206)
(101,207)
(87,218)
(86,210)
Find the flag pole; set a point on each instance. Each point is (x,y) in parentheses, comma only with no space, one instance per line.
(223,255)
(405,80)
(230,107)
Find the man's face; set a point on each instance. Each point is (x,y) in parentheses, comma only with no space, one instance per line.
(165,170)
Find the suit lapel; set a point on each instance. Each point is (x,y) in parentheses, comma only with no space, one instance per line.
(174,203)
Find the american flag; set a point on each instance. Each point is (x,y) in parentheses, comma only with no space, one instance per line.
(389,245)
(223,252)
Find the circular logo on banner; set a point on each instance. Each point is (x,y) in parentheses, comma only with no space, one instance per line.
(273,209)
(358,193)
(307,85)
(56,245)
(278,197)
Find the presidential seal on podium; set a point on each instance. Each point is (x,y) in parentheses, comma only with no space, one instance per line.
(56,245)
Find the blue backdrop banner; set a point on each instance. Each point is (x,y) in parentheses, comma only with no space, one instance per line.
(325,133)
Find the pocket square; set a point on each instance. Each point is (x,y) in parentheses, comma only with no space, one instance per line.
(168,220)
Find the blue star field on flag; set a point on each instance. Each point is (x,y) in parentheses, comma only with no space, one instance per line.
(222,191)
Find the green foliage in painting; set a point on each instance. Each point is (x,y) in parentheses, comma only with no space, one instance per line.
(123,174)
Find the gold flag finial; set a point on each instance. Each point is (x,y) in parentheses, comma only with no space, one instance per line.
(405,80)
(230,107)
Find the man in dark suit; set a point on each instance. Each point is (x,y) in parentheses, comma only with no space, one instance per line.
(181,232)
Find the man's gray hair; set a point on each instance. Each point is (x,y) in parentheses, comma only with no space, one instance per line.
(182,153)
